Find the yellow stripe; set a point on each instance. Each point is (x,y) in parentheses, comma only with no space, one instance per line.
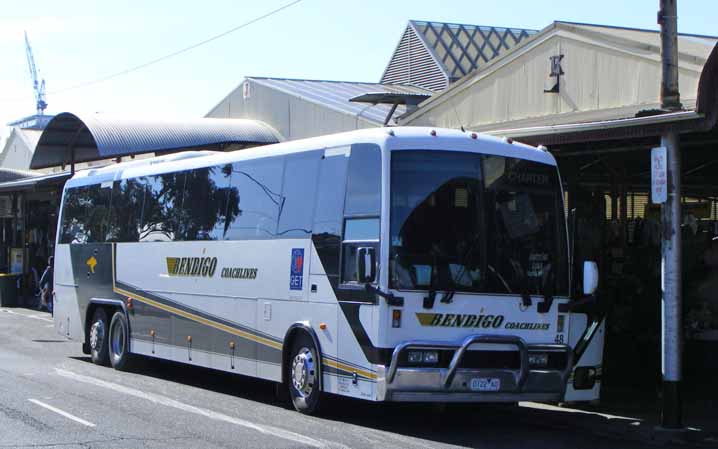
(350,369)
(201,320)
(222,327)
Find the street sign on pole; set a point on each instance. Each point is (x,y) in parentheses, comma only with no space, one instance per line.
(659,175)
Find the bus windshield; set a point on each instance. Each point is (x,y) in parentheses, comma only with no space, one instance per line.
(476,223)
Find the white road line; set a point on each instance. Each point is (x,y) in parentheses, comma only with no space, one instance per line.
(62,412)
(553,408)
(34,317)
(169,402)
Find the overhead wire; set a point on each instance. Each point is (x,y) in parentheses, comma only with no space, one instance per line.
(174,53)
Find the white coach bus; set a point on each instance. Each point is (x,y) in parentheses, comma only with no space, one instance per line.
(392,264)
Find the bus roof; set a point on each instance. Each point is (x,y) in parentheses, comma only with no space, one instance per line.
(391,138)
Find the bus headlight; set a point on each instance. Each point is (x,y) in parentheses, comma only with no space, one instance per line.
(538,359)
(428,357)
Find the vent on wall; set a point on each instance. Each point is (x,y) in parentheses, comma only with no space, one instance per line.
(433,54)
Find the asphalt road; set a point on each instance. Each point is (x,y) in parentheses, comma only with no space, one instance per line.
(51,395)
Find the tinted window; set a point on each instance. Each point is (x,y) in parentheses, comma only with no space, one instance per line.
(331,186)
(298,194)
(163,194)
(466,222)
(85,214)
(361,229)
(125,217)
(364,181)
(328,212)
(206,203)
(258,184)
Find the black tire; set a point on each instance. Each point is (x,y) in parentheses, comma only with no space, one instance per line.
(303,368)
(118,342)
(98,338)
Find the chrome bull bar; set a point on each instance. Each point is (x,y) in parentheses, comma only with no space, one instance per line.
(520,376)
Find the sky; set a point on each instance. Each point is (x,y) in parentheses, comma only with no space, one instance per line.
(80,41)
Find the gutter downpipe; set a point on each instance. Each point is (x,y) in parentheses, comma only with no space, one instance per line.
(671,282)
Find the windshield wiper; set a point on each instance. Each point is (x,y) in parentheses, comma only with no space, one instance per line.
(526,291)
(429,300)
(547,290)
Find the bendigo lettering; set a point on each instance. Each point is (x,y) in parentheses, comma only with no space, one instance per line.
(476,321)
(191,266)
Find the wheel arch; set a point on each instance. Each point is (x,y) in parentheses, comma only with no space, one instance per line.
(110,306)
(294,330)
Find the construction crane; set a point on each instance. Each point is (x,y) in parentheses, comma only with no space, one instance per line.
(38,86)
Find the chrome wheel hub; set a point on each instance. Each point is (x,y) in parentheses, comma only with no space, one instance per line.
(303,372)
(97,334)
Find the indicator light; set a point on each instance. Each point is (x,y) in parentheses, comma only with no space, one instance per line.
(322,326)
(396,318)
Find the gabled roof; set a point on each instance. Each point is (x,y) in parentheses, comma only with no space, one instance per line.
(29,136)
(336,95)
(693,52)
(690,46)
(434,54)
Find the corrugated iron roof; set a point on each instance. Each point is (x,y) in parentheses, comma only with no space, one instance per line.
(103,136)
(336,95)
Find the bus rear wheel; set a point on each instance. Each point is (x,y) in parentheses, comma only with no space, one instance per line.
(98,338)
(303,375)
(119,342)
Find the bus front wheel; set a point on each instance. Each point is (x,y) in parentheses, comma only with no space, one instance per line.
(98,337)
(303,375)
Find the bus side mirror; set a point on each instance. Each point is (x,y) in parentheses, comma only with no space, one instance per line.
(590,277)
(366,264)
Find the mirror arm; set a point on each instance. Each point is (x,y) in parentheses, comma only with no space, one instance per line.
(392,300)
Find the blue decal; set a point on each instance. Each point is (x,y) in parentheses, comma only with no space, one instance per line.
(296,272)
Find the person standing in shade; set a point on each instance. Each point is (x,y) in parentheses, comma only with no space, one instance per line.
(46,286)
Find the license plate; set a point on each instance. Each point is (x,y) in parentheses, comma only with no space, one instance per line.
(486,384)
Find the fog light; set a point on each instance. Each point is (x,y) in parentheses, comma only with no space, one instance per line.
(538,359)
(584,378)
(431,356)
(416,356)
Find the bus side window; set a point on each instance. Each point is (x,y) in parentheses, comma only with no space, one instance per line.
(86,213)
(205,203)
(125,211)
(329,209)
(362,207)
(257,196)
(162,202)
(298,193)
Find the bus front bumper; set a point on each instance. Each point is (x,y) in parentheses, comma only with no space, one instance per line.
(457,383)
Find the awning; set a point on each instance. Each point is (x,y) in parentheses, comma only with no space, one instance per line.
(71,138)
(56,179)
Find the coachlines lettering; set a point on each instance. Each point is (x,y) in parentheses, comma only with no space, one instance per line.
(239,273)
(471,320)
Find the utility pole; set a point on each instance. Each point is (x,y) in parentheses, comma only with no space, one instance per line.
(671,283)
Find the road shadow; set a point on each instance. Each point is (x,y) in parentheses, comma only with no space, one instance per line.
(464,425)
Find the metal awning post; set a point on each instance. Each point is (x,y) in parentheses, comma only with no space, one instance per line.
(671,304)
